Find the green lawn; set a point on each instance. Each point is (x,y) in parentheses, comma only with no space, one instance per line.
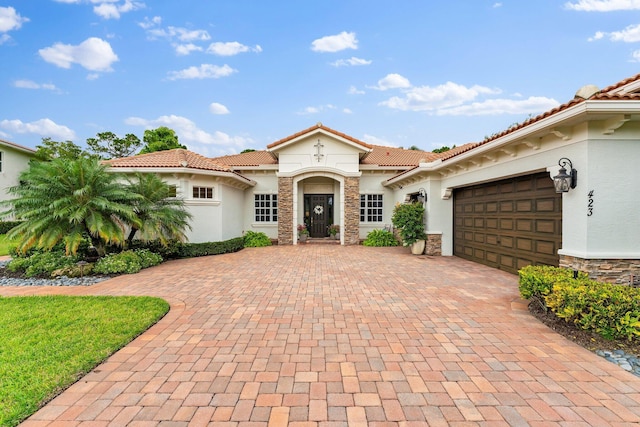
(48,343)
(4,245)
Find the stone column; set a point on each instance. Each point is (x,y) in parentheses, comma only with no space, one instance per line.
(351,211)
(285,211)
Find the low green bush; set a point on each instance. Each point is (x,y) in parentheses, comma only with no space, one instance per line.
(254,239)
(190,250)
(127,262)
(612,311)
(5,226)
(42,263)
(169,251)
(380,238)
(536,281)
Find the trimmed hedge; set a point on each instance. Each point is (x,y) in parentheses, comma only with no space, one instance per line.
(176,250)
(5,226)
(612,311)
(190,250)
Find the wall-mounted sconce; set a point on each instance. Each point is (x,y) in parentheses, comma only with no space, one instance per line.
(422,195)
(564,181)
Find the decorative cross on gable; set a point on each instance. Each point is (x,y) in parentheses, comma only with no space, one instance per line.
(318,154)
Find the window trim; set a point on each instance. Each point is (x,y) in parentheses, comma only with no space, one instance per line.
(366,212)
(268,208)
(199,189)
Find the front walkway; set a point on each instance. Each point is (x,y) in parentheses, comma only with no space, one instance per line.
(340,335)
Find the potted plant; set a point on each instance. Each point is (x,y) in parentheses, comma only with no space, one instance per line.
(334,231)
(303,233)
(408,218)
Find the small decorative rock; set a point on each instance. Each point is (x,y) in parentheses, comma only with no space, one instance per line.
(628,362)
(58,281)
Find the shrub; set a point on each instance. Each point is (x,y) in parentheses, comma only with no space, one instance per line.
(5,226)
(125,262)
(613,311)
(148,258)
(190,250)
(408,218)
(380,238)
(254,239)
(128,262)
(42,263)
(536,281)
(169,251)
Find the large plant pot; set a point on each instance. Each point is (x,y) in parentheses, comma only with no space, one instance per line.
(336,236)
(417,248)
(302,238)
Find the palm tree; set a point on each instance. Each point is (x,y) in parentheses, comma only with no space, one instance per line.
(161,217)
(69,200)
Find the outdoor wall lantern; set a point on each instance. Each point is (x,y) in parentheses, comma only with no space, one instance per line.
(422,195)
(563,181)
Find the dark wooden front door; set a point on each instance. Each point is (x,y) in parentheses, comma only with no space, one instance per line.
(318,208)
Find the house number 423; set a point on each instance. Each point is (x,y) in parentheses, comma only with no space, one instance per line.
(590,204)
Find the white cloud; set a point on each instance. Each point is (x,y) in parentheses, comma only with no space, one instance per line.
(42,127)
(113,10)
(335,43)
(316,110)
(186,49)
(29,84)
(426,98)
(230,48)
(631,34)
(150,23)
(347,111)
(603,5)
(4,38)
(94,54)
(204,71)
(10,19)
(355,91)
(370,139)
(353,61)
(392,81)
(497,5)
(635,56)
(188,132)
(182,34)
(217,108)
(531,105)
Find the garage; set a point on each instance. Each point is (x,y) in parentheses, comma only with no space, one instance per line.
(510,223)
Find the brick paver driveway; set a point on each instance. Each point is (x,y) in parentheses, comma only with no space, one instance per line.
(333,336)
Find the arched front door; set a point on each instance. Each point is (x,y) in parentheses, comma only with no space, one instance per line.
(318,212)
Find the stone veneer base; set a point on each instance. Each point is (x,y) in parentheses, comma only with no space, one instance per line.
(619,271)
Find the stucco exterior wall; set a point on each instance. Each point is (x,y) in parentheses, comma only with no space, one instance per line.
(266,183)
(232,207)
(304,154)
(371,183)
(13,163)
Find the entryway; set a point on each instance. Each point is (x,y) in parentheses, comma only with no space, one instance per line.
(318,213)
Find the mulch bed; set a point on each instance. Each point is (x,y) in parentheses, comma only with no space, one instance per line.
(589,340)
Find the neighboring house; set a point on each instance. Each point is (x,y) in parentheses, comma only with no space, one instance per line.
(492,202)
(14,159)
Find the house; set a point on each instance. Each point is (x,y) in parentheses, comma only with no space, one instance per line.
(493,202)
(14,159)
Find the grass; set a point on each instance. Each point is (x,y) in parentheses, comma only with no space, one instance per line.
(4,245)
(48,343)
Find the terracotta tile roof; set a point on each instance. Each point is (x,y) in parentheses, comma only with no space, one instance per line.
(177,158)
(318,126)
(602,95)
(252,158)
(391,156)
(18,146)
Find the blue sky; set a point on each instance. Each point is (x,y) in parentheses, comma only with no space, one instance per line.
(228,75)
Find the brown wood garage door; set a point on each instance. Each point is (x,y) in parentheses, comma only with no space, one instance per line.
(509,224)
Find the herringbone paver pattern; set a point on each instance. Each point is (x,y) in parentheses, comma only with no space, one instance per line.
(340,336)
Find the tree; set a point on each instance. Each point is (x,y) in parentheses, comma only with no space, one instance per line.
(443,149)
(50,149)
(160,216)
(67,200)
(247,150)
(160,139)
(108,145)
